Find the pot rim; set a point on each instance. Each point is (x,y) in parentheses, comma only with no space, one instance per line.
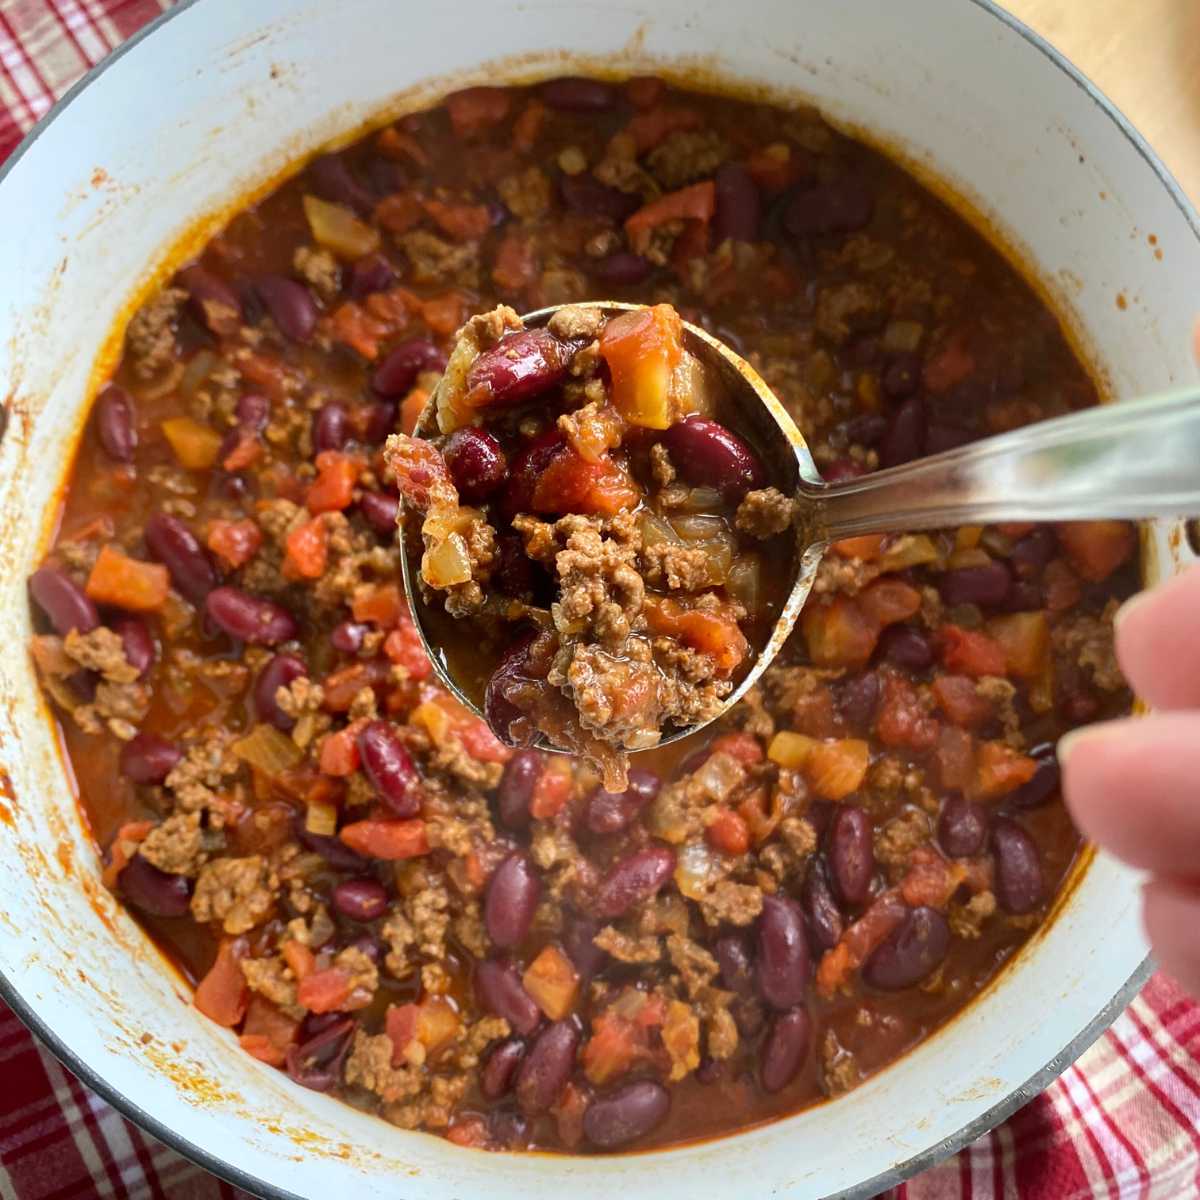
(928,1157)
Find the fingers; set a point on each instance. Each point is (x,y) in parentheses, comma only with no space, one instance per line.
(1154,647)
(1132,786)
(1171,915)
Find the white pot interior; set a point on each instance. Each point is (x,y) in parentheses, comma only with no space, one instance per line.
(224,95)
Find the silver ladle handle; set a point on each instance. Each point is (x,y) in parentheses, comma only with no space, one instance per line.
(1138,458)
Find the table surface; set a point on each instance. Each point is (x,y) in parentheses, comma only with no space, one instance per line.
(1145,56)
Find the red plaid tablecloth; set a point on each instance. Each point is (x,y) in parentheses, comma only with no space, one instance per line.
(1123,1123)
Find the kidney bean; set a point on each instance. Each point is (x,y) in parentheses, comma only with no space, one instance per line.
(499,1071)
(171,542)
(1032,552)
(822,915)
(586,195)
(710,1070)
(252,619)
(906,647)
(1023,596)
(381,511)
(360,899)
(1019,885)
(154,891)
(390,768)
(519,367)
(213,302)
(612,812)
(851,854)
(64,602)
(547,1067)
(136,643)
(573,93)
(498,983)
(371,274)
(279,672)
(962,827)
(514,574)
(906,438)
(370,945)
(902,376)
(867,429)
(512,898)
(477,464)
(633,880)
(986,585)
(577,940)
(515,790)
(253,411)
(1044,785)
(842,205)
(148,758)
(330,427)
(332,180)
(858,698)
(315,1023)
(347,637)
(317,1062)
(842,469)
(707,454)
(939,438)
(626,1114)
(399,369)
(332,849)
(498,710)
(115,424)
(783,960)
(290,304)
(380,421)
(736,960)
(910,952)
(622,269)
(738,213)
(785,1049)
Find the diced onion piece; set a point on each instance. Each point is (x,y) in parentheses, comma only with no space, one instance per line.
(698,528)
(321,818)
(656,531)
(912,550)
(336,228)
(197,371)
(268,750)
(744,581)
(435,720)
(552,982)
(973,557)
(701,500)
(696,870)
(642,349)
(447,563)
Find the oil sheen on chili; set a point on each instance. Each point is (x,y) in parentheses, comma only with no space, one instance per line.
(373,892)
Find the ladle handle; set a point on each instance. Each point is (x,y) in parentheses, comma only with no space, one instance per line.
(1138,458)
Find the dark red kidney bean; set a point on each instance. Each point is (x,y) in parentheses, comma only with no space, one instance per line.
(332,180)
(586,195)
(1019,885)
(279,672)
(1079,707)
(148,758)
(290,304)
(332,849)
(497,213)
(1024,596)
(573,93)
(526,467)
(611,812)
(783,959)
(707,454)
(906,438)
(499,1071)
(175,546)
(498,710)
(962,827)
(821,912)
(622,269)
(360,899)
(380,421)
(137,643)
(371,274)
(940,438)
(902,376)
(547,1067)
(626,1114)
(515,791)
(1045,783)
(518,368)
(83,684)
(253,411)
(710,1070)
(213,302)
(512,898)
(347,637)
(380,511)
(514,575)
(317,1062)
(842,469)
(315,1023)
(248,618)
(154,891)
(738,212)
(906,647)
(785,1049)
(498,984)
(577,940)
(910,952)
(858,698)
(370,945)
(986,585)
(476,462)
(1032,552)
(390,768)
(842,205)
(236,486)
(851,854)
(736,961)
(400,367)
(116,426)
(633,880)
(330,428)
(64,602)
(867,429)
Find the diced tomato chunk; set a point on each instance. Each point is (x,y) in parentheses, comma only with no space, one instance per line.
(551,789)
(386,839)
(306,550)
(222,994)
(887,601)
(127,583)
(572,484)
(902,720)
(403,646)
(463,222)
(838,633)
(969,652)
(1000,769)
(611,1050)
(1097,548)
(957,698)
(867,547)
(328,990)
(696,202)
(339,752)
(711,632)
(268,1032)
(835,770)
(948,367)
(476,109)
(652,126)
(745,747)
(955,758)
(552,981)
(1025,639)
(642,350)
(235,543)
(469,1130)
(728,832)
(379,603)
(333,488)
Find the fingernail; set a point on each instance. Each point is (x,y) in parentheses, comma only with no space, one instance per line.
(1131,605)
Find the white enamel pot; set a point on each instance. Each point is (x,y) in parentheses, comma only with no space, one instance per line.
(217,98)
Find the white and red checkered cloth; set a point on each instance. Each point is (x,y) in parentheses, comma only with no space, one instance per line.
(1123,1123)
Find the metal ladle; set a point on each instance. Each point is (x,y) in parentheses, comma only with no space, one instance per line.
(1135,459)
